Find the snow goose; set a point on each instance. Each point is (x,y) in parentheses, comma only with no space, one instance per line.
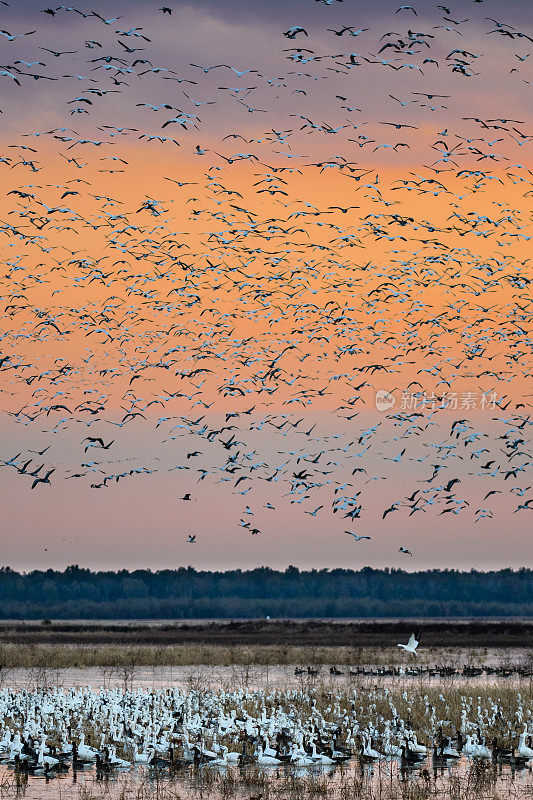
(144,757)
(412,644)
(231,757)
(523,749)
(264,760)
(84,751)
(320,758)
(414,746)
(299,758)
(475,750)
(367,751)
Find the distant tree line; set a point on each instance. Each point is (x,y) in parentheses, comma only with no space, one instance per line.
(187,593)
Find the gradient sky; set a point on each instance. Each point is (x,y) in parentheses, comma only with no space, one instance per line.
(313,218)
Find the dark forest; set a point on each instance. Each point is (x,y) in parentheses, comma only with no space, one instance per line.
(185,593)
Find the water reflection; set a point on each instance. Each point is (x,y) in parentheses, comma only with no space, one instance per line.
(229,678)
(386,779)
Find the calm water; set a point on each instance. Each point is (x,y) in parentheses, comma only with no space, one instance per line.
(465,779)
(256,676)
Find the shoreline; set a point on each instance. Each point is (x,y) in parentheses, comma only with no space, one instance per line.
(195,621)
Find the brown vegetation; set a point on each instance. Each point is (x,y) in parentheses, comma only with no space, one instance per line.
(289,633)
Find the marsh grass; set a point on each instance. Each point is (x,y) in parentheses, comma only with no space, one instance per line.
(109,656)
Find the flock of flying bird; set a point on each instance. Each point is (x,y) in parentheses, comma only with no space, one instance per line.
(242,310)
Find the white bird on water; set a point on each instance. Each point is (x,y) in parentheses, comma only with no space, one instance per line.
(523,749)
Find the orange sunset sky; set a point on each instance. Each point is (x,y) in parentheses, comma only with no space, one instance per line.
(224,230)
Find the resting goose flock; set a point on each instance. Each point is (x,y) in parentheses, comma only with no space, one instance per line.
(45,731)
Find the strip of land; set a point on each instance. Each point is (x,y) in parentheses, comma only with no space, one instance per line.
(274,633)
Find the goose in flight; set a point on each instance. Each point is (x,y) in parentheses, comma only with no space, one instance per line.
(292,32)
(46,478)
(356,537)
(412,644)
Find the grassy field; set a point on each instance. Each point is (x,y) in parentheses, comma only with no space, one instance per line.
(112,655)
(62,645)
(280,633)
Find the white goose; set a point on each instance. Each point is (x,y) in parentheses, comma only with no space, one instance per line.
(144,757)
(320,758)
(220,762)
(476,750)
(450,752)
(231,757)
(412,644)
(16,747)
(45,762)
(389,748)
(368,750)
(84,751)
(264,760)
(414,746)
(300,758)
(115,761)
(523,749)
